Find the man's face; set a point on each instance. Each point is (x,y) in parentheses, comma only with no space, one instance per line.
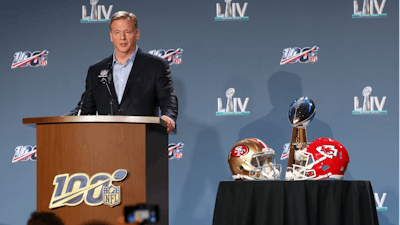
(124,36)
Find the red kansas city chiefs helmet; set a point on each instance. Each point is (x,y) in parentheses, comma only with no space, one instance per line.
(323,158)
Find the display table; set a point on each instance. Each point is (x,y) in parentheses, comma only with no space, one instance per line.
(328,202)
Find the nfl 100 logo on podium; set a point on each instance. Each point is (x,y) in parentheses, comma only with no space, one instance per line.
(230,11)
(173,56)
(95,13)
(232,105)
(24,153)
(369,103)
(73,190)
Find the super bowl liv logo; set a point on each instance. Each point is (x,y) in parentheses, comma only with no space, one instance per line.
(286,151)
(380,202)
(367,10)
(369,103)
(230,11)
(95,13)
(232,105)
(73,190)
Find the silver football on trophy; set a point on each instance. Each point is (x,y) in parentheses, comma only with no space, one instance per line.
(301,112)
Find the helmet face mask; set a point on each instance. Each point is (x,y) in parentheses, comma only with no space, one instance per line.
(252,159)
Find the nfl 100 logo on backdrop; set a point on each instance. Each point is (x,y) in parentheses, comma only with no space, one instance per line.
(95,13)
(367,10)
(302,55)
(97,190)
(175,150)
(173,56)
(231,9)
(369,103)
(24,153)
(32,59)
(232,105)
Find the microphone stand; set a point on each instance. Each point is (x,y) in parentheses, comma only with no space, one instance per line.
(83,98)
(102,81)
(109,78)
(111,99)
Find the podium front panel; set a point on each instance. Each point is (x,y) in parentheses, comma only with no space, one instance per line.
(92,148)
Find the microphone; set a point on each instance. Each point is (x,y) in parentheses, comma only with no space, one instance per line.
(108,81)
(110,73)
(104,77)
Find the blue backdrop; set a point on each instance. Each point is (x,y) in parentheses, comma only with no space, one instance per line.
(243,53)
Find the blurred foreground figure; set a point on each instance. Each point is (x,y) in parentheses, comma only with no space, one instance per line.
(44,218)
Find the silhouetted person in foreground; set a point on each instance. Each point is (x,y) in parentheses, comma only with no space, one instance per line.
(96,222)
(44,218)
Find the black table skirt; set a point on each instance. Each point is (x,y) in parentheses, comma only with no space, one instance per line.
(328,202)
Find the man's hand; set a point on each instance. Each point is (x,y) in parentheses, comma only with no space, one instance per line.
(169,123)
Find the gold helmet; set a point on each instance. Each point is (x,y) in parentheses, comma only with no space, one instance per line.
(252,159)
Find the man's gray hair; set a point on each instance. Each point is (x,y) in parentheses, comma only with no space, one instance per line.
(124,15)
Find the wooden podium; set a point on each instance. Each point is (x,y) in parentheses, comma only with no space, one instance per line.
(95,144)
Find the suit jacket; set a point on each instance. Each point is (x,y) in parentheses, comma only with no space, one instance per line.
(149,87)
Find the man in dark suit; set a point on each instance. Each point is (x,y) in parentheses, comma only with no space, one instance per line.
(140,82)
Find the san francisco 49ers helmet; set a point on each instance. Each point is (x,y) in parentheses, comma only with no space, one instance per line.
(323,158)
(252,159)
